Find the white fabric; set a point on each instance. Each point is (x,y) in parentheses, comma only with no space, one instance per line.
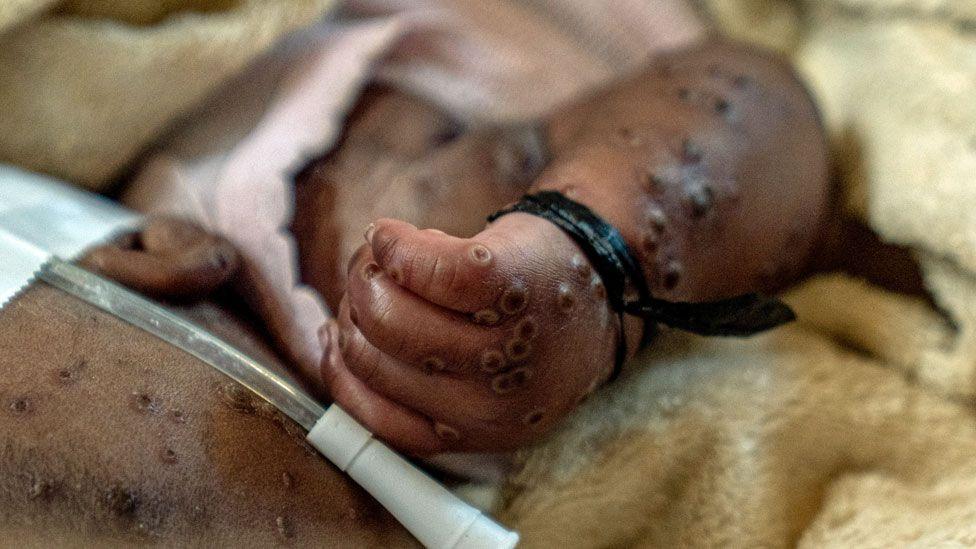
(40,217)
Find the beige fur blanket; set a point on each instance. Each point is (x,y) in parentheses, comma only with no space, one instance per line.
(85,85)
(854,427)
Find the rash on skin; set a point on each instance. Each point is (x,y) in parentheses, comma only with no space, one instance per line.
(685,160)
(127,440)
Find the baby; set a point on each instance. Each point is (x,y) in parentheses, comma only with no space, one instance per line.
(456,336)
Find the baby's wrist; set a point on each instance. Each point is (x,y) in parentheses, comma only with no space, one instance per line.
(574,229)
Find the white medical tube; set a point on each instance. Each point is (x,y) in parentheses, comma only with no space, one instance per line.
(435,516)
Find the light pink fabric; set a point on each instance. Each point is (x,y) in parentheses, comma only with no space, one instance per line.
(231,165)
(231,168)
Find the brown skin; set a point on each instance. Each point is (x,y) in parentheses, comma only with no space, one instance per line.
(113,437)
(711,163)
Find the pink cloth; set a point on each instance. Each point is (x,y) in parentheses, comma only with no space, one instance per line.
(230,167)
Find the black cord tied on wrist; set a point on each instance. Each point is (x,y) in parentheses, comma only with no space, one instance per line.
(619,269)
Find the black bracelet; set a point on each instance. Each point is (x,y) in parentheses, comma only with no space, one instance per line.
(617,267)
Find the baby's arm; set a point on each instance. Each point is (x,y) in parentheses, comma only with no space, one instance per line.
(711,164)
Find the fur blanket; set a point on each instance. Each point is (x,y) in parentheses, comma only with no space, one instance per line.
(85,85)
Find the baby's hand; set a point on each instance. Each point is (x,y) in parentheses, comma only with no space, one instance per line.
(481,344)
(167,258)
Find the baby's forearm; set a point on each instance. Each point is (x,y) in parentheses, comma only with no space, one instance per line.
(711,163)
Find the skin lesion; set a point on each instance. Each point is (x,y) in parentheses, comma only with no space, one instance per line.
(112,436)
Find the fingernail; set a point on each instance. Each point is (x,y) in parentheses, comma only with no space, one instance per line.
(370,229)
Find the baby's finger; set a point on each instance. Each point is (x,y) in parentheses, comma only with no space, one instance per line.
(456,273)
(396,425)
(455,402)
(417,332)
(194,273)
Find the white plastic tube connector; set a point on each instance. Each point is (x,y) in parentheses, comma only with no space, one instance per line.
(435,516)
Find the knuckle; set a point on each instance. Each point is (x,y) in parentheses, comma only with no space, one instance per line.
(377,312)
(442,273)
(410,262)
(461,280)
(385,244)
(354,353)
(359,360)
